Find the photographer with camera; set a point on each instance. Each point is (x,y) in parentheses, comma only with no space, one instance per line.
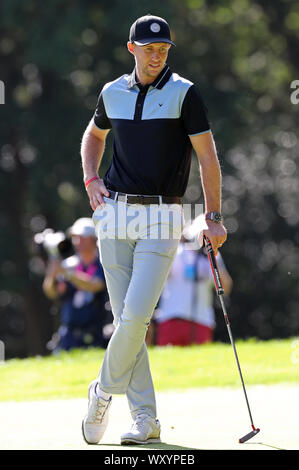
(78,283)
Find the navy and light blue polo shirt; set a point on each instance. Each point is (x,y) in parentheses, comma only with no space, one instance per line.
(151,126)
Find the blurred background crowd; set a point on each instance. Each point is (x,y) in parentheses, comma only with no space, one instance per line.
(54,59)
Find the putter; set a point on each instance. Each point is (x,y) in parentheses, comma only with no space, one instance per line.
(220,293)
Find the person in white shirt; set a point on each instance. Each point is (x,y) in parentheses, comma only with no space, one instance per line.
(185,313)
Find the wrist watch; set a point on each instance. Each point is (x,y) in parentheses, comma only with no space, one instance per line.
(214,217)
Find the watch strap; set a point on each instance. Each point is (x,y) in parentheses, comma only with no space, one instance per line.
(214,216)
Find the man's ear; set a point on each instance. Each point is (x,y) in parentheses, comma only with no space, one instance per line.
(130,47)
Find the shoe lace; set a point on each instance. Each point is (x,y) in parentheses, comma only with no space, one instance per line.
(139,422)
(99,411)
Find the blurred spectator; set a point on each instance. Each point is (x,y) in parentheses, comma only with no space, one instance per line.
(78,283)
(185,313)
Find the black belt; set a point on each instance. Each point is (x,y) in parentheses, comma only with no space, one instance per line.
(143,199)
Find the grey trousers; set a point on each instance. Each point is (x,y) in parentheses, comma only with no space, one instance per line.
(137,246)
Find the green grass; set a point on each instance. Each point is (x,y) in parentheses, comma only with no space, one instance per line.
(67,375)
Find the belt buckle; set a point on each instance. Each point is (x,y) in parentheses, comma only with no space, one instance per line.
(121,198)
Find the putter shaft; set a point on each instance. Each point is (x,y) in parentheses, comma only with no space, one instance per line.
(220,293)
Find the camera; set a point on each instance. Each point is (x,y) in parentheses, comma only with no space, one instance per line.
(54,245)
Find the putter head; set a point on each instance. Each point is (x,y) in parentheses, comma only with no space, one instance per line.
(249,435)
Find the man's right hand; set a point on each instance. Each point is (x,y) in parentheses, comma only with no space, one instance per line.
(96,190)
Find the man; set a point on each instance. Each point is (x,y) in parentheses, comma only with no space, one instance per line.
(79,284)
(156,117)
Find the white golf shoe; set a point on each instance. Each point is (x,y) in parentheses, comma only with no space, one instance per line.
(145,430)
(95,422)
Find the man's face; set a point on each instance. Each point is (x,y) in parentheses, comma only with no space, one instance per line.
(150,59)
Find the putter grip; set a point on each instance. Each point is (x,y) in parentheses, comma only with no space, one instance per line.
(216,275)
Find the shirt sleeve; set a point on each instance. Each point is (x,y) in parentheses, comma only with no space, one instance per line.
(100,117)
(194,113)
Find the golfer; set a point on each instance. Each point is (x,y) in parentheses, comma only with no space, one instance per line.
(156,117)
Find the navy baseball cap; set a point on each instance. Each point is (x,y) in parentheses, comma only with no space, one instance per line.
(148,29)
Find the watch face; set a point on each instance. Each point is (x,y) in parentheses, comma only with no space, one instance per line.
(217,217)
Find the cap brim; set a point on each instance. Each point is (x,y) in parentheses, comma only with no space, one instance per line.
(83,233)
(144,42)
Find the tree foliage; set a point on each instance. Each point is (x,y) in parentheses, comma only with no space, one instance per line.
(54,59)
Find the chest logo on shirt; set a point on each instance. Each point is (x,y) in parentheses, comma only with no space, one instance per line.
(160,104)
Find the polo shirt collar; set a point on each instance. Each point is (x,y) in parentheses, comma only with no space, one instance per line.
(158,83)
